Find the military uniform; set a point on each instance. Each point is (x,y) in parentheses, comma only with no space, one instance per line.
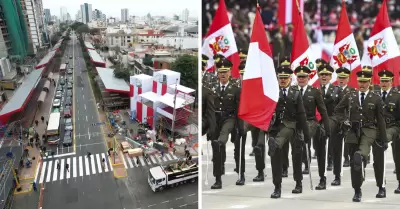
(208,107)
(312,100)
(331,95)
(365,122)
(226,101)
(338,137)
(290,115)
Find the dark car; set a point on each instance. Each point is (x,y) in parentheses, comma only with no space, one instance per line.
(60,88)
(67,112)
(67,139)
(69,71)
(69,93)
(69,86)
(62,82)
(70,57)
(68,101)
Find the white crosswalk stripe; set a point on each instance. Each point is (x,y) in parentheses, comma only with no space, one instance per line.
(82,166)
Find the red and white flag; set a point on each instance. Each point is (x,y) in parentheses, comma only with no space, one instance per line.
(221,40)
(382,49)
(288,12)
(260,90)
(345,52)
(302,54)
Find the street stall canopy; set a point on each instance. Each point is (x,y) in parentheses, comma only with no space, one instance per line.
(42,96)
(89,45)
(168,99)
(58,44)
(46,59)
(95,57)
(46,85)
(183,89)
(111,83)
(50,76)
(21,95)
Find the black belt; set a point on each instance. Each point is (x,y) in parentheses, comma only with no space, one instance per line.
(225,113)
(364,124)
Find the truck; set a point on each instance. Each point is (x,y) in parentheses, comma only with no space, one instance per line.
(172,174)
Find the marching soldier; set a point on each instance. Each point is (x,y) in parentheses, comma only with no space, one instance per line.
(208,107)
(285,150)
(312,99)
(227,96)
(331,95)
(343,75)
(364,123)
(391,112)
(290,115)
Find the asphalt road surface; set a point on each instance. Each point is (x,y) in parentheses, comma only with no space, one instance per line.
(257,195)
(88,184)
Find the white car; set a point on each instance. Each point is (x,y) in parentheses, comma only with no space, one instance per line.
(58,95)
(56,103)
(68,124)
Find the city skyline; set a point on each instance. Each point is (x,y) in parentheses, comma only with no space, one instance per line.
(154,7)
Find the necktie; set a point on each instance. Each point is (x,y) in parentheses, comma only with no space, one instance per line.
(323,91)
(301,91)
(384,93)
(222,89)
(362,98)
(284,92)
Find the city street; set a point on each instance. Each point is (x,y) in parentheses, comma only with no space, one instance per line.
(257,195)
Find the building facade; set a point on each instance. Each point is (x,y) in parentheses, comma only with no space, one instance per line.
(86,10)
(124,15)
(34,22)
(47,16)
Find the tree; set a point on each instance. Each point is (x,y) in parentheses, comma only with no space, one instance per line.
(187,66)
(82,30)
(147,60)
(122,73)
(54,39)
(19,70)
(94,31)
(75,25)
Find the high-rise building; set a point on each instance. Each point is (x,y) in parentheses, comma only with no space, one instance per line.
(185,15)
(124,15)
(78,16)
(68,17)
(86,10)
(63,14)
(34,22)
(47,16)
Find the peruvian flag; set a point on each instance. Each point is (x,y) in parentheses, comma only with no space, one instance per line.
(302,53)
(220,40)
(382,49)
(259,80)
(345,52)
(288,12)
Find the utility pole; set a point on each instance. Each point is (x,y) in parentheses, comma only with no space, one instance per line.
(174,111)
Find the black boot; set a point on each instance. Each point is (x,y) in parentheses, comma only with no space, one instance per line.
(322,184)
(357,195)
(217,184)
(284,173)
(259,177)
(381,193)
(346,162)
(241,180)
(223,170)
(369,159)
(306,169)
(251,153)
(277,192)
(298,189)
(336,182)
(272,146)
(397,191)
(234,170)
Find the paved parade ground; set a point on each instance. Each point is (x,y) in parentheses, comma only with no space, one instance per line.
(257,195)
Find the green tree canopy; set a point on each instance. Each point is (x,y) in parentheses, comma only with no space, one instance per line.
(82,30)
(122,73)
(188,67)
(75,25)
(147,60)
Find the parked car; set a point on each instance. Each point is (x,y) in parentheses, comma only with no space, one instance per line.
(68,124)
(52,140)
(58,94)
(70,80)
(69,71)
(56,103)
(69,86)
(69,93)
(70,57)
(62,82)
(68,101)
(67,62)
(67,112)
(60,88)
(67,139)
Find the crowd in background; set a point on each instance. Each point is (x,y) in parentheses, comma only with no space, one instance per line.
(362,14)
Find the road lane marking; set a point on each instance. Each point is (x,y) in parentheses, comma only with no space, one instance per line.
(62,169)
(173,156)
(55,173)
(80,166)
(99,163)
(83,96)
(74,167)
(111,167)
(87,166)
(69,164)
(142,161)
(86,120)
(85,106)
(129,161)
(88,129)
(42,174)
(93,165)
(152,159)
(135,162)
(126,166)
(49,171)
(37,172)
(103,156)
(159,159)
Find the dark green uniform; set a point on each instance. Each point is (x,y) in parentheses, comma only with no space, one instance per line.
(226,102)
(332,95)
(208,107)
(346,155)
(288,126)
(365,122)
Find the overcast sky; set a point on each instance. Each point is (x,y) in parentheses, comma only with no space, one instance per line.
(136,7)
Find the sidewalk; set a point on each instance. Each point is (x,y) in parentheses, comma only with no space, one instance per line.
(27,175)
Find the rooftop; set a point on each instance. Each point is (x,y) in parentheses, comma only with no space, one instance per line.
(19,99)
(150,96)
(95,57)
(183,89)
(89,45)
(168,99)
(111,83)
(46,59)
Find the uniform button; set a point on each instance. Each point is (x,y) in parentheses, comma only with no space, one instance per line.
(220,108)
(220,103)
(284,107)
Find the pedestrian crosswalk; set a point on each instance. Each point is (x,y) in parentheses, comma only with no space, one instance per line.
(79,166)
